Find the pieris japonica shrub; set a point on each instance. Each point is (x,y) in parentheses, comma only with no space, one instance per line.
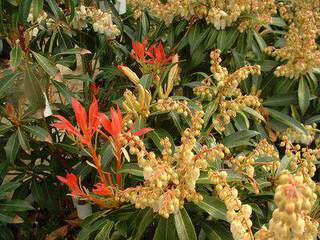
(167,119)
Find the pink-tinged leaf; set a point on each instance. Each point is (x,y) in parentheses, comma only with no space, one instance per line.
(142,131)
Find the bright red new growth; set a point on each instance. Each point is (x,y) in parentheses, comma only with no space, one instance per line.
(155,55)
(87,126)
(139,50)
(87,129)
(72,182)
(95,89)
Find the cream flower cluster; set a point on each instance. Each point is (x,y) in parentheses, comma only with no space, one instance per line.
(100,21)
(302,159)
(170,179)
(301,51)
(219,13)
(294,198)
(299,137)
(245,163)
(238,214)
(227,91)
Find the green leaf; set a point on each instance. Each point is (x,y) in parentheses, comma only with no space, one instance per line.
(38,193)
(278,21)
(253,113)
(16,205)
(12,147)
(146,81)
(199,39)
(145,25)
(144,223)
(164,230)
(238,137)
(55,9)
(232,36)
(262,44)
(15,56)
(278,101)
(132,168)
(6,82)
(216,231)
(4,218)
(284,164)
(63,89)
(222,40)
(39,133)
(287,120)
(313,119)
(8,187)
(303,95)
(158,134)
(24,142)
(176,120)
(211,108)
(24,9)
(46,65)
(184,225)
(71,51)
(211,38)
(37,7)
(33,89)
(214,207)
(104,233)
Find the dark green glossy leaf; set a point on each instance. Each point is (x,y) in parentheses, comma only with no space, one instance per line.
(238,137)
(44,62)
(38,132)
(287,120)
(16,205)
(132,168)
(23,141)
(145,222)
(184,225)
(165,229)
(15,56)
(303,95)
(33,89)
(12,147)
(214,207)
(104,233)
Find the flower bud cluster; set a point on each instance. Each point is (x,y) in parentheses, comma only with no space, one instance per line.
(245,163)
(301,51)
(238,214)
(227,91)
(294,199)
(170,179)
(137,107)
(206,91)
(230,108)
(294,136)
(302,159)
(221,14)
(171,105)
(100,21)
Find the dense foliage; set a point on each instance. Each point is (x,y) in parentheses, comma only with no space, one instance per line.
(173,119)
